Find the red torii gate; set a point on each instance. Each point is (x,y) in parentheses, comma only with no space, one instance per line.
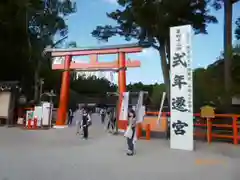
(120,65)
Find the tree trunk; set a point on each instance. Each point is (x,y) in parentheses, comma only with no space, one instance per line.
(227,43)
(227,50)
(165,69)
(36,82)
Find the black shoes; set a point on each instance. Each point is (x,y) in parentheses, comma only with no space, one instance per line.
(129,154)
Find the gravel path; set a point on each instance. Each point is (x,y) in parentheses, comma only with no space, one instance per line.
(60,154)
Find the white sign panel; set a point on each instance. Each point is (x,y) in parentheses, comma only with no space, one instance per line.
(139,108)
(58,60)
(124,107)
(181,88)
(46,114)
(5,98)
(38,114)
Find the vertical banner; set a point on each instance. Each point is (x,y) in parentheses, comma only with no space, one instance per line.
(124,107)
(181,88)
(139,109)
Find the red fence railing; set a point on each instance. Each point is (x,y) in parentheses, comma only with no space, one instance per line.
(214,123)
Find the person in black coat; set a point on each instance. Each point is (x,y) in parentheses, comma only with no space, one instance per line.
(102,114)
(70,116)
(86,121)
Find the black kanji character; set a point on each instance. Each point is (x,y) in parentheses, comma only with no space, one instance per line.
(178,104)
(179,81)
(179,48)
(177,60)
(178,36)
(178,45)
(178,127)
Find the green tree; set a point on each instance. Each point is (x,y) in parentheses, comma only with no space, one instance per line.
(156,95)
(13,44)
(136,87)
(236,50)
(92,86)
(43,25)
(227,5)
(237,30)
(149,22)
(208,84)
(26,28)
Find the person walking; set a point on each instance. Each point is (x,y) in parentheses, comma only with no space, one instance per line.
(70,116)
(130,132)
(78,114)
(86,121)
(110,121)
(102,114)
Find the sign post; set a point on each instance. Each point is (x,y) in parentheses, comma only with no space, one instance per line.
(181,88)
(161,107)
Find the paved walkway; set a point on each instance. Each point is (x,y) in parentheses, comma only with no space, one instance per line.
(60,154)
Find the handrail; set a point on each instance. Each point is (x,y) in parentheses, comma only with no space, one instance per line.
(209,123)
(195,114)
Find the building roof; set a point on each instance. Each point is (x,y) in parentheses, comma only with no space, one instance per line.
(8,85)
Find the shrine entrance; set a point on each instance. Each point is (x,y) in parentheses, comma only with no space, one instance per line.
(66,64)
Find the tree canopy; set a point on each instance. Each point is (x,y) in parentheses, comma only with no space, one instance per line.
(227,6)
(91,85)
(27,27)
(237,31)
(149,22)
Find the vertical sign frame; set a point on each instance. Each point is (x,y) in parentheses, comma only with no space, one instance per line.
(181,88)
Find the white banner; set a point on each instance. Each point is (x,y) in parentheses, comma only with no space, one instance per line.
(139,107)
(124,107)
(181,88)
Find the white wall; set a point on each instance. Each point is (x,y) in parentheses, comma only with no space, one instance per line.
(5,98)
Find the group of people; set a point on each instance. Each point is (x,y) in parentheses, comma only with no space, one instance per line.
(83,121)
(109,116)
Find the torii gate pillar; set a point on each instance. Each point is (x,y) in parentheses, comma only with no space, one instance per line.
(64,95)
(122,73)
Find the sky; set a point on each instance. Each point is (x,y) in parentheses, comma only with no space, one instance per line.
(90,13)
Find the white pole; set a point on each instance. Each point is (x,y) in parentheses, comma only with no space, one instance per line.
(161,107)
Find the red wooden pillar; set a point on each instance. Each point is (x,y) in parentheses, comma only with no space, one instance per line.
(121,85)
(122,73)
(64,96)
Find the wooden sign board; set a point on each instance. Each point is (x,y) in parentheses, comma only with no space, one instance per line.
(207,112)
